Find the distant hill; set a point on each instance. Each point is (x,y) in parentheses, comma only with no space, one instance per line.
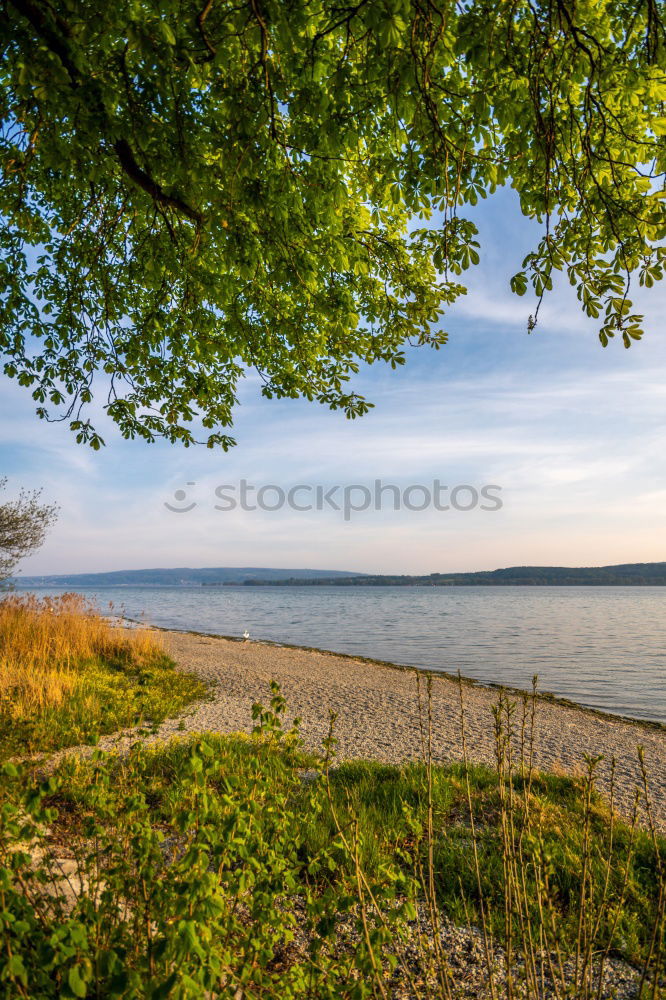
(625,574)
(179,577)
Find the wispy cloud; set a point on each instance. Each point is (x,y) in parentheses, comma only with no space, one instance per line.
(575,436)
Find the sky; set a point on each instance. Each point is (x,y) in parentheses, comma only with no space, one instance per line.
(570,437)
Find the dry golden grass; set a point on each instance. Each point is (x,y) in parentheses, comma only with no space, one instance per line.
(44,641)
(67,673)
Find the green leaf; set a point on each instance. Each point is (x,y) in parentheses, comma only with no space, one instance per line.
(189,197)
(76,984)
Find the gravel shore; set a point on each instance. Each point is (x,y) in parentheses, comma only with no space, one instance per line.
(378,712)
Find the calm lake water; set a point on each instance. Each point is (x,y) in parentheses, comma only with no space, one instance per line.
(604,647)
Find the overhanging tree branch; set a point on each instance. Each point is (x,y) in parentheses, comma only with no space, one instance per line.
(59,45)
(150,186)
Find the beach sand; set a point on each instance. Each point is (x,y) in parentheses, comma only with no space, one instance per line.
(378,712)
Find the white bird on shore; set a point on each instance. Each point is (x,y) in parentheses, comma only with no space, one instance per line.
(246,635)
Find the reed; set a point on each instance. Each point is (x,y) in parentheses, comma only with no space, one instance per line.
(540,869)
(68,672)
(45,642)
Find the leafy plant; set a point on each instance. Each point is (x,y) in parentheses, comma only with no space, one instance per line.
(194,189)
(245,866)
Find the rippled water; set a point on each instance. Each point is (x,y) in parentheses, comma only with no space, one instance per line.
(601,646)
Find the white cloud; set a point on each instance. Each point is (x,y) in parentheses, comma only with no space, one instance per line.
(574,434)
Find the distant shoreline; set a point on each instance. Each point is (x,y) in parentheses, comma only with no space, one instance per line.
(457,583)
(652,574)
(29,585)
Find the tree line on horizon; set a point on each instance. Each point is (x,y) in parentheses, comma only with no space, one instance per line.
(629,574)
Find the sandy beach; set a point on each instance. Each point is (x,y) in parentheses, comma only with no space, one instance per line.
(378,712)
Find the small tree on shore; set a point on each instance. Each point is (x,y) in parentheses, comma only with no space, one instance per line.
(23,524)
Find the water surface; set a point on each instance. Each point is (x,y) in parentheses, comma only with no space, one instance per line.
(601,646)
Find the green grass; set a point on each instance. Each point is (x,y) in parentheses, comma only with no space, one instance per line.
(111,694)
(206,854)
(69,675)
(388,800)
(388,806)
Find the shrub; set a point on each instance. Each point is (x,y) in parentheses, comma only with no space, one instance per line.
(212,866)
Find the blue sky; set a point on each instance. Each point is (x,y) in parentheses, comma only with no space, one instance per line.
(572,433)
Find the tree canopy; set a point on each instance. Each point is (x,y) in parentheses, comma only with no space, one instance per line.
(192,190)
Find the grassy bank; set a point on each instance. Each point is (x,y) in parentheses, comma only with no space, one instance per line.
(68,675)
(242,867)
